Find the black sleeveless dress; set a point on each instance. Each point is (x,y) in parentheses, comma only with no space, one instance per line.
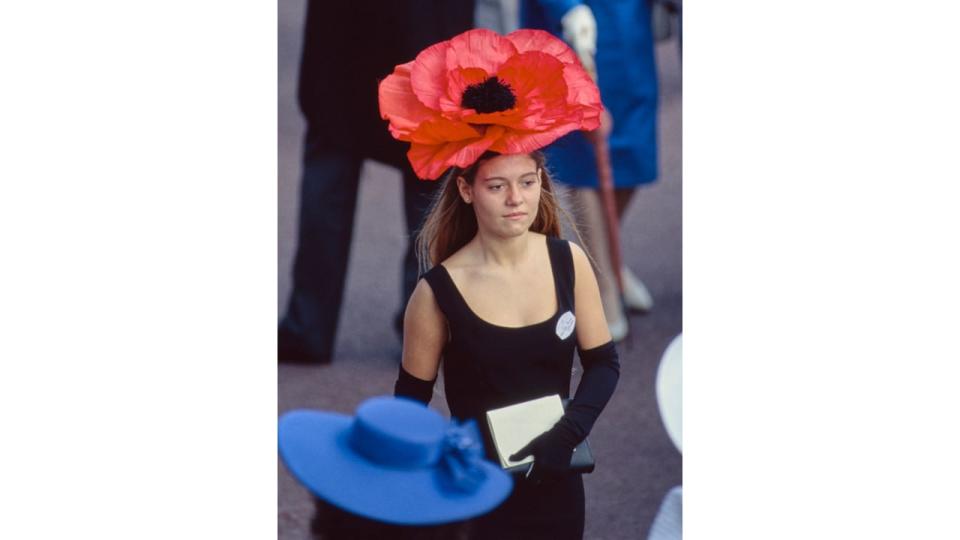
(486,366)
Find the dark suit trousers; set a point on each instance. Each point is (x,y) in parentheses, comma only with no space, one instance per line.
(328,201)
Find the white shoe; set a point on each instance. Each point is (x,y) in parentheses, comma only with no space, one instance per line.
(635,293)
(618,329)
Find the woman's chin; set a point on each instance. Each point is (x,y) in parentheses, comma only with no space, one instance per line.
(508,228)
(516,229)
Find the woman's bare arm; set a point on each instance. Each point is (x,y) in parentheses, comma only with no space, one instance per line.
(424,333)
(592,329)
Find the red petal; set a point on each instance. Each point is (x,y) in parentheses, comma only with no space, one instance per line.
(539,40)
(519,142)
(537,79)
(400,106)
(428,74)
(440,130)
(429,161)
(479,48)
(582,91)
(511,118)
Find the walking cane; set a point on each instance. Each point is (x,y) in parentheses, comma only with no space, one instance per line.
(605,174)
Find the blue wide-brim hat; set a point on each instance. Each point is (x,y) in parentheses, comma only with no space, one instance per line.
(396,461)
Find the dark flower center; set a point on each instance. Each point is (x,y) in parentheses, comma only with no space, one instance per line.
(492,95)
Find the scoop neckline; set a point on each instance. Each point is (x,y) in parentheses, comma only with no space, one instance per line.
(556,294)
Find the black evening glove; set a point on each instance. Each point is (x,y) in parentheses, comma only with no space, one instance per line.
(601,371)
(411,387)
(551,451)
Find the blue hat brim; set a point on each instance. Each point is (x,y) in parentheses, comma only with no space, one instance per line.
(314,447)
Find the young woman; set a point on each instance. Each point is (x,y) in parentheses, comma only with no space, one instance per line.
(506,300)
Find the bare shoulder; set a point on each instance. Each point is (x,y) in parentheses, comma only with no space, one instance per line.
(423,302)
(578,252)
(592,328)
(581,263)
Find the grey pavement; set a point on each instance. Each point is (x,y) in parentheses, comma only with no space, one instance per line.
(636,462)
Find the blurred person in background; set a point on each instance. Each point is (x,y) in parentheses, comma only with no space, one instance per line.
(506,302)
(396,470)
(667,20)
(348,47)
(614,40)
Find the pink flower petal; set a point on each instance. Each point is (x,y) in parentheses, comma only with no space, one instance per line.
(400,106)
(538,40)
(479,48)
(510,118)
(440,130)
(538,81)
(581,90)
(519,142)
(430,161)
(428,75)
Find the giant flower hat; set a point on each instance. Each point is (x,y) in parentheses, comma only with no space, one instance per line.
(481,91)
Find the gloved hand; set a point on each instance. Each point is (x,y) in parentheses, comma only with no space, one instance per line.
(551,451)
(580,31)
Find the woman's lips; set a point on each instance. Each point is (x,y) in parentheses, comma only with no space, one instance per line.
(516,216)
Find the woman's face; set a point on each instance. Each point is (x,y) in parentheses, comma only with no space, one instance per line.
(505,194)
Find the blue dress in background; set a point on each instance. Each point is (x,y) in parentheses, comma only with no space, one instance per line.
(628,86)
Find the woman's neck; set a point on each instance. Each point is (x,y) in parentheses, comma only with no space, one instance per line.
(503,252)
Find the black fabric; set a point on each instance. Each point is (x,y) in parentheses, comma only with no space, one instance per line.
(552,452)
(486,366)
(348,48)
(550,510)
(328,200)
(553,449)
(412,387)
(601,371)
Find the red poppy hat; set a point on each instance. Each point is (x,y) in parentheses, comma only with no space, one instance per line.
(481,91)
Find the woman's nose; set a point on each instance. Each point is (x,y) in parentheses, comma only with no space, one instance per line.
(513,195)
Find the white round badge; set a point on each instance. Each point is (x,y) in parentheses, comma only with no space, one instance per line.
(565,325)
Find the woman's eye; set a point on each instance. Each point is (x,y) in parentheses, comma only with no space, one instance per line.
(529,183)
(496,187)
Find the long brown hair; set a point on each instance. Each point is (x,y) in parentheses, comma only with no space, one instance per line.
(451,223)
